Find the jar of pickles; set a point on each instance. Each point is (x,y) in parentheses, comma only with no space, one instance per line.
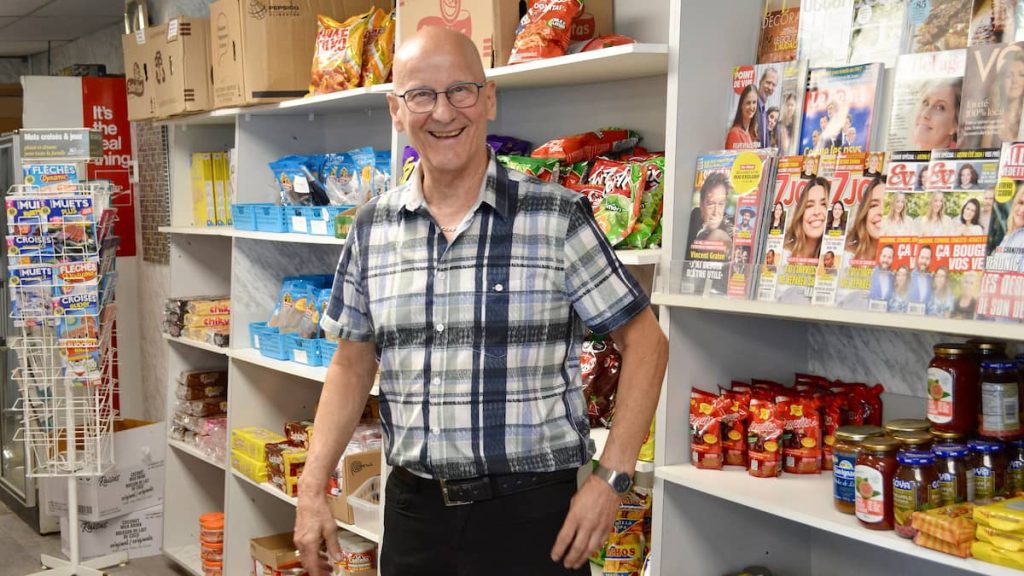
(988,458)
(844,461)
(953,388)
(915,487)
(999,414)
(876,468)
(913,440)
(956,476)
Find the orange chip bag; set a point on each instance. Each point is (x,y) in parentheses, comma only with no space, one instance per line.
(545,30)
(706,413)
(378,47)
(338,60)
(801,442)
(764,439)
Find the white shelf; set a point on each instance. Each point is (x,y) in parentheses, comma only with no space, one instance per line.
(194,452)
(253,356)
(287,237)
(222,117)
(608,64)
(196,344)
(808,500)
(346,101)
(976,328)
(639,257)
(198,230)
(186,557)
(275,492)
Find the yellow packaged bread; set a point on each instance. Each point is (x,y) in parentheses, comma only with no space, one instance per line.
(1007,516)
(252,442)
(986,552)
(1010,541)
(255,470)
(950,524)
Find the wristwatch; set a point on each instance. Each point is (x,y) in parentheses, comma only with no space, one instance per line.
(620,482)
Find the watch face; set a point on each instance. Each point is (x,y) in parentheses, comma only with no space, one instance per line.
(621,483)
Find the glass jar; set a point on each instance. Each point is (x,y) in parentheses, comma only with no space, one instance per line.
(906,425)
(988,459)
(953,388)
(988,348)
(876,468)
(943,437)
(913,440)
(844,460)
(999,413)
(956,477)
(1015,469)
(915,487)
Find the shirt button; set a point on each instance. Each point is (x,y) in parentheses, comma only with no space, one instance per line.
(440,328)
(435,431)
(498,287)
(437,381)
(440,275)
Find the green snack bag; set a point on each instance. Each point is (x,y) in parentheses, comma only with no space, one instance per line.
(651,204)
(545,169)
(623,188)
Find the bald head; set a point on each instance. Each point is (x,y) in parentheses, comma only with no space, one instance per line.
(434,42)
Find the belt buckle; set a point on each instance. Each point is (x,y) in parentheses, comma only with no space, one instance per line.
(447,501)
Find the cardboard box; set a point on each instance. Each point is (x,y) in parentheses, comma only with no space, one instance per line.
(356,469)
(140,534)
(265,54)
(491,24)
(204,203)
(275,552)
(135,483)
(181,70)
(138,61)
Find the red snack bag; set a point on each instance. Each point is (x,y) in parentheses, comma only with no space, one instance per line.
(811,380)
(801,442)
(545,30)
(770,386)
(737,386)
(734,427)
(587,146)
(834,406)
(872,398)
(573,174)
(619,208)
(599,367)
(764,439)
(593,192)
(706,413)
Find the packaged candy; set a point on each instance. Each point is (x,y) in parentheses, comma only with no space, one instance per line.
(381,172)
(341,178)
(252,441)
(587,146)
(706,413)
(1010,541)
(573,174)
(992,554)
(508,146)
(209,307)
(606,41)
(378,47)
(1007,516)
(764,438)
(802,437)
(292,179)
(409,159)
(544,169)
(600,363)
(651,204)
(734,427)
(364,159)
(338,60)
(299,432)
(545,30)
(620,207)
(202,378)
(833,408)
(593,192)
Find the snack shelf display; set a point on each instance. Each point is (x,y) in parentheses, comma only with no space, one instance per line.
(194,452)
(196,344)
(277,493)
(614,63)
(253,356)
(187,557)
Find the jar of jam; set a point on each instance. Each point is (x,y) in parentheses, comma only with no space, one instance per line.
(876,468)
(942,437)
(956,477)
(988,458)
(907,425)
(913,440)
(953,388)
(999,414)
(844,460)
(1015,469)
(915,487)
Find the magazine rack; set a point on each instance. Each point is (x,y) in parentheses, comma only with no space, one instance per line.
(62,287)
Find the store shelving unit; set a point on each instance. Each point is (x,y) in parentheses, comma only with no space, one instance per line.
(194,452)
(187,557)
(196,344)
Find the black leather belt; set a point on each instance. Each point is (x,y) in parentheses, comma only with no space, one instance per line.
(469,490)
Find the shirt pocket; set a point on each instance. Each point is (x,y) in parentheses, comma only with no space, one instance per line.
(492,337)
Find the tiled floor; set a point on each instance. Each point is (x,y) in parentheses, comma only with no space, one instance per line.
(20,548)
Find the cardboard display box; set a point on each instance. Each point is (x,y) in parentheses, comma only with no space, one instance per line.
(491,24)
(356,469)
(136,481)
(264,54)
(140,534)
(180,66)
(275,552)
(138,57)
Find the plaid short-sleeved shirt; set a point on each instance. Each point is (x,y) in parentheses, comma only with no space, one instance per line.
(479,340)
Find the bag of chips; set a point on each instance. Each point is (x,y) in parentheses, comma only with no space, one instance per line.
(409,159)
(651,204)
(545,169)
(587,146)
(573,174)
(338,60)
(734,427)
(378,47)
(764,438)
(507,145)
(545,30)
(620,207)
(706,413)
(600,364)
(801,441)
(593,192)
(606,41)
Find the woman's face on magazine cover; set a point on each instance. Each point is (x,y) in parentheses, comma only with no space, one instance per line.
(901,277)
(965,176)
(874,208)
(1014,80)
(749,105)
(968,213)
(712,208)
(938,200)
(815,209)
(1017,212)
(967,285)
(899,203)
(790,109)
(874,163)
(935,123)
(940,278)
(837,211)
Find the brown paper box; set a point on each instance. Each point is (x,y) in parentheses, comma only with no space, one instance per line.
(356,469)
(490,24)
(277,551)
(138,69)
(180,68)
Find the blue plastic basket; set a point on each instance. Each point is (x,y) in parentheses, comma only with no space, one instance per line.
(298,218)
(303,350)
(244,216)
(327,350)
(271,218)
(321,219)
(269,341)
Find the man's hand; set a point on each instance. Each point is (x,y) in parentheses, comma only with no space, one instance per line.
(589,522)
(314,525)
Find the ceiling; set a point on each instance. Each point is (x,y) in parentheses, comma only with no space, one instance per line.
(30,26)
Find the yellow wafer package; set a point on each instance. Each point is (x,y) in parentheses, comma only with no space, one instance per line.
(378,47)
(1013,542)
(1007,515)
(338,60)
(986,552)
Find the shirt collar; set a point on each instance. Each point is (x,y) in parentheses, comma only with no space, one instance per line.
(493,190)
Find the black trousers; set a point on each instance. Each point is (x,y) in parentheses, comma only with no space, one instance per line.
(507,536)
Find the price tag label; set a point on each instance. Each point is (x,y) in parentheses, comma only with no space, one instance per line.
(140,36)
(172,30)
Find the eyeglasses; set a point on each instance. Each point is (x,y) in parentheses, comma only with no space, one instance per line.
(460,95)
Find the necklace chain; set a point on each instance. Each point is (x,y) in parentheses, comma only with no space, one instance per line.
(448,228)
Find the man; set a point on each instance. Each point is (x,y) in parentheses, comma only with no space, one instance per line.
(881,276)
(746,214)
(765,90)
(472,284)
(920,278)
(848,134)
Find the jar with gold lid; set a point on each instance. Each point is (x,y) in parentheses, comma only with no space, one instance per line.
(844,461)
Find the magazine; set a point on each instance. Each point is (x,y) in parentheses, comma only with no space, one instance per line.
(779,28)
(878,33)
(996,21)
(727,193)
(755,107)
(993,94)
(907,172)
(839,109)
(927,88)
(936,25)
(794,87)
(824,32)
(1001,294)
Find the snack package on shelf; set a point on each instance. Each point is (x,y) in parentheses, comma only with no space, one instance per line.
(801,446)
(1006,516)
(378,47)
(734,425)
(299,433)
(338,60)
(1009,541)
(252,441)
(706,413)
(600,363)
(251,468)
(545,30)
(765,437)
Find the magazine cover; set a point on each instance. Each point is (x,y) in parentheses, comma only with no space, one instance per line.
(780,26)
(1001,295)
(879,31)
(839,109)
(936,25)
(996,21)
(990,109)
(726,195)
(755,107)
(926,92)
(796,224)
(794,87)
(824,32)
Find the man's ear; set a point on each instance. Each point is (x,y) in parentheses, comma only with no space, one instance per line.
(394,106)
(491,98)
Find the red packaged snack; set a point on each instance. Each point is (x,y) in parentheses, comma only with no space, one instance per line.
(587,146)
(811,380)
(769,386)
(599,367)
(544,169)
(600,42)
(734,427)
(764,439)
(593,192)
(573,174)
(864,405)
(545,30)
(801,443)
(619,208)
(706,413)
(833,408)
(737,386)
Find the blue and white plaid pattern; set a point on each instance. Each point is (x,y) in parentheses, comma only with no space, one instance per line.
(479,341)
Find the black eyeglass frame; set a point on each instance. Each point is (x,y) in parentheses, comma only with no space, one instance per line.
(479,88)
